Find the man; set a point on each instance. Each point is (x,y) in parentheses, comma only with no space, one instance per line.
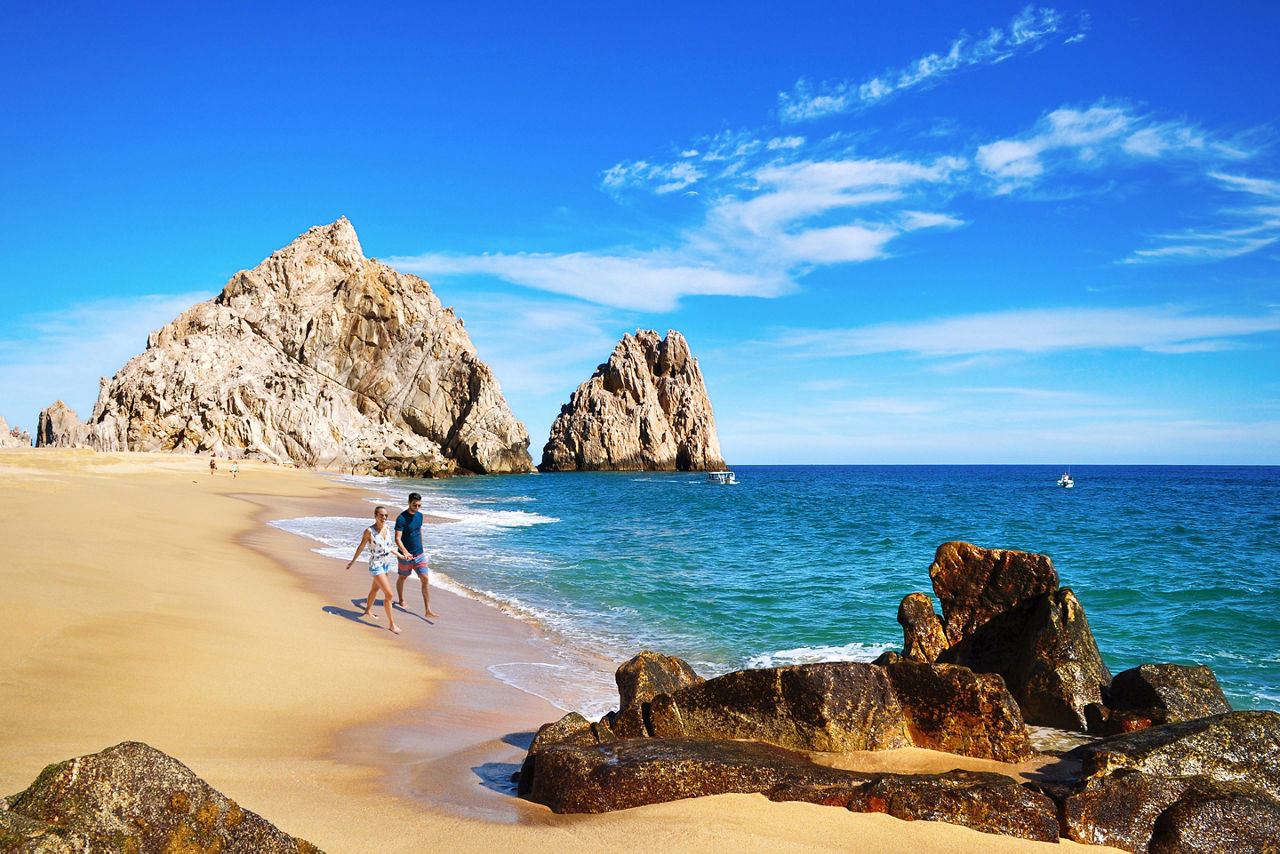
(409,539)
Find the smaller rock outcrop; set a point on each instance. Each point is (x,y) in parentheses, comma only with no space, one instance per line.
(1004,613)
(59,426)
(646,409)
(132,798)
(12,437)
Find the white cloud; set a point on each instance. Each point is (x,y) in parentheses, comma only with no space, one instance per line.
(1091,138)
(1026,31)
(59,353)
(758,234)
(1033,332)
(1248,229)
(645,281)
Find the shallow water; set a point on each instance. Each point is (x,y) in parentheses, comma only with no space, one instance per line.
(808,563)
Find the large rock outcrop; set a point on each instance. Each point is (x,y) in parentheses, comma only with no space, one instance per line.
(646,409)
(318,356)
(134,798)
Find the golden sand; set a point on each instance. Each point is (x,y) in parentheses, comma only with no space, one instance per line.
(146,600)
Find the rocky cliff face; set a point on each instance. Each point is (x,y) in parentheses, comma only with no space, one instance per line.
(319,356)
(644,409)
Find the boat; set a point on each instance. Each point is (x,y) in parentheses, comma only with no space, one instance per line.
(721,477)
(1066,481)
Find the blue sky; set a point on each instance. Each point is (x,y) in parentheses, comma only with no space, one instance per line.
(893,233)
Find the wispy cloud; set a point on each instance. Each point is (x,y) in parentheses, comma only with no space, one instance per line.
(1166,330)
(57,350)
(1101,135)
(1249,227)
(760,231)
(1027,31)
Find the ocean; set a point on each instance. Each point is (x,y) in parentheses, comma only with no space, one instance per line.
(809,563)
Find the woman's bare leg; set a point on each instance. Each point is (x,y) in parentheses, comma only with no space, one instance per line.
(381,581)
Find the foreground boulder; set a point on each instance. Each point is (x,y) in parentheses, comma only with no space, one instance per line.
(318,356)
(133,798)
(1004,613)
(1211,784)
(645,409)
(635,772)
(1231,747)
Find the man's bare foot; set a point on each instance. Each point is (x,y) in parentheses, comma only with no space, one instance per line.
(432,614)
(395,629)
(369,614)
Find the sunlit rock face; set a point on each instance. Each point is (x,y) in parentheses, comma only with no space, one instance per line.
(646,409)
(317,356)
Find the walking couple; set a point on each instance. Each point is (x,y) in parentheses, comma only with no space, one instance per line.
(405,547)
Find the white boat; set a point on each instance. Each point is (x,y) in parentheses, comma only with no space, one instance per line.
(721,477)
(1066,481)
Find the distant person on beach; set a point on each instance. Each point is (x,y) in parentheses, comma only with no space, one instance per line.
(235,469)
(213,463)
(409,538)
(382,555)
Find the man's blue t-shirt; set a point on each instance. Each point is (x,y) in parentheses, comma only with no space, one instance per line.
(410,530)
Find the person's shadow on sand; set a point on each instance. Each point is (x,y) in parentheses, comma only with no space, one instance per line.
(356,613)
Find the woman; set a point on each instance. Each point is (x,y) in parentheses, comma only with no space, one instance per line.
(382,559)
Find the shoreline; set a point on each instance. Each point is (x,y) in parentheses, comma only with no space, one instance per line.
(199,629)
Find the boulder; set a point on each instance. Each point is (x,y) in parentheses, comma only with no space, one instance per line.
(924,638)
(983,801)
(625,774)
(317,356)
(955,710)
(642,678)
(843,706)
(134,798)
(974,584)
(645,409)
(1120,809)
(1167,693)
(832,706)
(1004,613)
(634,772)
(1227,748)
(1217,817)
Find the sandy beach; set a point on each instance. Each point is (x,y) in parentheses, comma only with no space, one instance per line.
(148,600)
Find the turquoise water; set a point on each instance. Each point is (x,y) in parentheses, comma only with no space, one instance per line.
(808,563)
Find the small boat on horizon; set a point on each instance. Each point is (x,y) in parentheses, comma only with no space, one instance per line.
(1066,481)
(726,477)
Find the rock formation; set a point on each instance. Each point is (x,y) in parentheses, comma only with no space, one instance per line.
(133,798)
(1193,776)
(1004,613)
(318,356)
(12,437)
(646,409)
